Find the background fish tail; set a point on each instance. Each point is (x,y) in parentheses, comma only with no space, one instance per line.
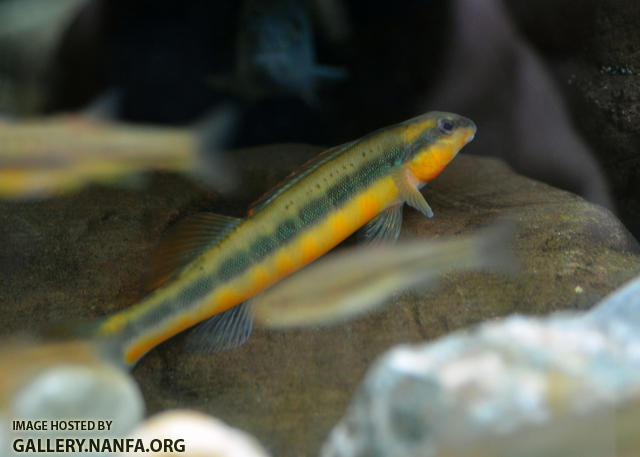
(212,166)
(493,247)
(330,73)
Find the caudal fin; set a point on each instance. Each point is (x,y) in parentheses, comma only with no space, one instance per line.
(108,347)
(213,133)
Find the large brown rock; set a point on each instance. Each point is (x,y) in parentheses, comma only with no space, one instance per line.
(83,255)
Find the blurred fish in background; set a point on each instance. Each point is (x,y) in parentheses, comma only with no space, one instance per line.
(353,281)
(275,52)
(41,157)
(60,154)
(30,31)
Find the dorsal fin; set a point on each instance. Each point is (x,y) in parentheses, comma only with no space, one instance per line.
(183,242)
(297,175)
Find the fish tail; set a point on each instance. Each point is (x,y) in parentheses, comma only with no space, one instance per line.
(493,247)
(212,165)
(330,73)
(109,347)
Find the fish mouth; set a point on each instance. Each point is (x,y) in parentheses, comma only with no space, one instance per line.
(471,130)
(468,135)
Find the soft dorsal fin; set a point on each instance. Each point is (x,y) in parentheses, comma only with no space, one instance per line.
(226,330)
(297,175)
(183,242)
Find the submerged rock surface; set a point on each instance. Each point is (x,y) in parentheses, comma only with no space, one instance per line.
(81,256)
(567,384)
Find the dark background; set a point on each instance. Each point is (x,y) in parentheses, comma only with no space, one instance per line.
(553,87)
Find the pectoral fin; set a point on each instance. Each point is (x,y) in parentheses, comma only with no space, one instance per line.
(410,193)
(385,227)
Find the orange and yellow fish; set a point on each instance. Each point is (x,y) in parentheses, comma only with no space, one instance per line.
(211,264)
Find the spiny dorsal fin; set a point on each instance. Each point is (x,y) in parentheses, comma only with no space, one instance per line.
(297,175)
(226,330)
(183,242)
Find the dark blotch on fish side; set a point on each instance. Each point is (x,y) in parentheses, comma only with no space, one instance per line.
(285,230)
(262,247)
(234,266)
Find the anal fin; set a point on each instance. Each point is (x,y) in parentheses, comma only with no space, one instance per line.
(183,242)
(226,330)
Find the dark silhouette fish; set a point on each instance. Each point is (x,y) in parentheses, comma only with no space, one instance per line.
(275,53)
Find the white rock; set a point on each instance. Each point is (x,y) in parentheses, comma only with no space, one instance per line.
(518,386)
(193,434)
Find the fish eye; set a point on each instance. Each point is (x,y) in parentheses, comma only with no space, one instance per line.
(446,126)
